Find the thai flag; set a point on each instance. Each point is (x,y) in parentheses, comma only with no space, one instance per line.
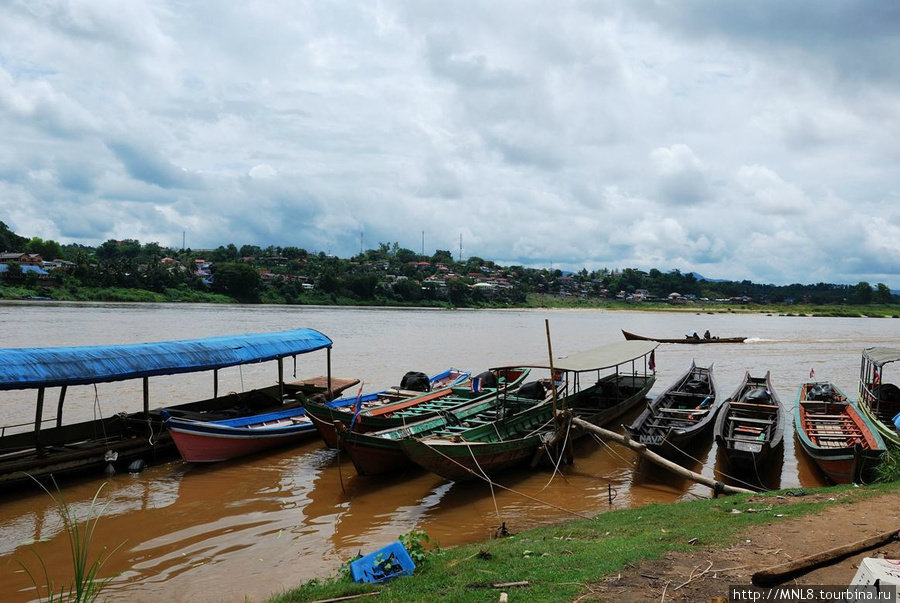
(476,384)
(812,373)
(651,363)
(357,406)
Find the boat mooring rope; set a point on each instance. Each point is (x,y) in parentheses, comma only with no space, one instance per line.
(502,487)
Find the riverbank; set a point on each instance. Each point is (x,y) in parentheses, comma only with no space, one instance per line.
(533,301)
(634,554)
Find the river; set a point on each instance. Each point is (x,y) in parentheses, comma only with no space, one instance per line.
(245,529)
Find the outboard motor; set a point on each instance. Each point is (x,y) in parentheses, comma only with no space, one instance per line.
(533,390)
(758,395)
(415,381)
(487,379)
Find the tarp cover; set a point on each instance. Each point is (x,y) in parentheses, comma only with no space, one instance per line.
(604,357)
(30,368)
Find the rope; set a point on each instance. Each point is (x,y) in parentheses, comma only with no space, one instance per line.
(502,487)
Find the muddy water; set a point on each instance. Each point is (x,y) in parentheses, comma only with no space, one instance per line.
(256,526)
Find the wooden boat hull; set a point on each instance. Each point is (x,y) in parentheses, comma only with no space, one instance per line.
(836,434)
(688,340)
(749,432)
(489,449)
(209,448)
(330,421)
(379,452)
(681,416)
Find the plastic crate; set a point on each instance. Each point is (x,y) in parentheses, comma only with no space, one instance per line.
(371,568)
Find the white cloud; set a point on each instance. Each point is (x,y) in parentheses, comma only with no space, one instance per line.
(638,134)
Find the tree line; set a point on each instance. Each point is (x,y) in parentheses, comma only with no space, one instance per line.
(389,274)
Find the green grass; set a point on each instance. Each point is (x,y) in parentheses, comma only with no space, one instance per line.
(558,562)
(86,585)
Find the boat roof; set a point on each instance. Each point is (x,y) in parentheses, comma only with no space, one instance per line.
(881,356)
(31,368)
(604,357)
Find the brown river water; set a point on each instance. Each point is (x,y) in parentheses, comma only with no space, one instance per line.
(248,528)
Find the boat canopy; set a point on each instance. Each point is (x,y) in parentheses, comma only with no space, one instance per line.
(881,356)
(604,357)
(31,368)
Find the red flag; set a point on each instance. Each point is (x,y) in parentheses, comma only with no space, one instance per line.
(812,373)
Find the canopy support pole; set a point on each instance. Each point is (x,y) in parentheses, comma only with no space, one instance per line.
(281,379)
(38,416)
(329,395)
(146,395)
(62,397)
(215,384)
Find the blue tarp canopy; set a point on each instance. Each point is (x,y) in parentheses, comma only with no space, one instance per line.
(31,368)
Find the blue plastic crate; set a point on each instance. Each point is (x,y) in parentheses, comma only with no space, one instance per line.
(371,568)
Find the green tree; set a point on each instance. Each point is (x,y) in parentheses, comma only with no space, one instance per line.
(10,241)
(241,281)
(48,250)
(883,294)
(862,293)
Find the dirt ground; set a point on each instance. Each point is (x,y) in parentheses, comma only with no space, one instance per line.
(706,573)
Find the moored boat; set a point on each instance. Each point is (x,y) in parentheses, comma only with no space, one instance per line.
(379,452)
(878,398)
(689,339)
(835,434)
(409,407)
(121,438)
(750,426)
(680,415)
(533,434)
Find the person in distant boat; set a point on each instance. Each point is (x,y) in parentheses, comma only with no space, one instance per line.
(707,335)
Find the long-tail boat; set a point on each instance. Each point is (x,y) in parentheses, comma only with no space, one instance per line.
(879,399)
(463,453)
(689,339)
(386,413)
(54,447)
(681,415)
(750,424)
(842,441)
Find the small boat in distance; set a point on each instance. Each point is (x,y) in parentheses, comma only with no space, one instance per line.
(835,434)
(680,415)
(691,339)
(750,425)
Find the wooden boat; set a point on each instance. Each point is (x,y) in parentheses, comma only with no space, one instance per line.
(750,426)
(879,399)
(119,439)
(680,415)
(209,441)
(532,434)
(835,434)
(686,339)
(379,452)
(386,413)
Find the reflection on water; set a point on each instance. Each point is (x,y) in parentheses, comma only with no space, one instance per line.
(254,526)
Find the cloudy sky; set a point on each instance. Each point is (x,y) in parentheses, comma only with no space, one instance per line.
(742,140)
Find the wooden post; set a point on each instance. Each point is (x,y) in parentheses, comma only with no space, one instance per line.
(215,384)
(780,573)
(329,395)
(62,398)
(659,460)
(146,395)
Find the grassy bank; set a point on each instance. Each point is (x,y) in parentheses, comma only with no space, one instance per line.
(558,562)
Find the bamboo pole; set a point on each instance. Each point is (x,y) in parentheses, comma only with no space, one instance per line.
(659,460)
(779,573)
(552,371)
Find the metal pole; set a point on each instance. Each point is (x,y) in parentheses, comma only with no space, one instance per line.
(62,397)
(38,416)
(146,395)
